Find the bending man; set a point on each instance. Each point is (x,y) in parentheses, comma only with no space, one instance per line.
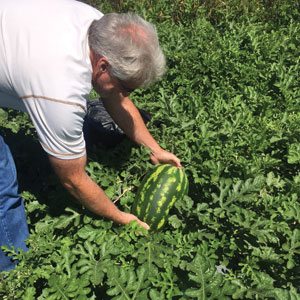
(52,53)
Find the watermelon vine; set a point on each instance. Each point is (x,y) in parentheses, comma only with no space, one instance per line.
(229,108)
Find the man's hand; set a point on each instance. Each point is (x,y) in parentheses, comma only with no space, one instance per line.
(164,157)
(127,218)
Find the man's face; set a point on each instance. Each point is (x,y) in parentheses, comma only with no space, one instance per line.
(105,84)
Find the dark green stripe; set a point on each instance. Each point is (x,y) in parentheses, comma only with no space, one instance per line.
(154,215)
(157,191)
(182,181)
(138,203)
(148,192)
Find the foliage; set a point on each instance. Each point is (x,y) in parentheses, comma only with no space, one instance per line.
(229,108)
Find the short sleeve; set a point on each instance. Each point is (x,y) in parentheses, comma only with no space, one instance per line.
(58,124)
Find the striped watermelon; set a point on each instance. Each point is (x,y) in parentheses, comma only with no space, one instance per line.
(157,193)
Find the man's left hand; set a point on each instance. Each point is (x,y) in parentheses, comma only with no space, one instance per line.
(165,157)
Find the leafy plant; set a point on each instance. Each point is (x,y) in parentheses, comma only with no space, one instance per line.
(229,108)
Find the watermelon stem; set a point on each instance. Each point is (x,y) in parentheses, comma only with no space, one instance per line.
(123,193)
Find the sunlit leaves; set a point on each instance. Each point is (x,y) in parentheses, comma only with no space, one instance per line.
(228,106)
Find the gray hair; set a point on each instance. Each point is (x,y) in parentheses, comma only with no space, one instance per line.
(131,47)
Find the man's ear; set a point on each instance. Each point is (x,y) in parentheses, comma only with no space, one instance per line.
(102,65)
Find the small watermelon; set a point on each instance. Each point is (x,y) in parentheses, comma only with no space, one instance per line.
(159,190)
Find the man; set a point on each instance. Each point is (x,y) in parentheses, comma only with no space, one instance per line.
(51,54)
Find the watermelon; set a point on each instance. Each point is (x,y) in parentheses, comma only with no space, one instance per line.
(159,190)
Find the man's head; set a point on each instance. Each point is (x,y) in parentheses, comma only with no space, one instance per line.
(124,49)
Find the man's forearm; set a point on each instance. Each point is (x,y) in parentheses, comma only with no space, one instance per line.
(92,197)
(127,116)
(74,178)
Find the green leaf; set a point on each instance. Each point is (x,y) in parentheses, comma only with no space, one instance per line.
(294,154)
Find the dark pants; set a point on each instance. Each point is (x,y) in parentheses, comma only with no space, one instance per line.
(100,129)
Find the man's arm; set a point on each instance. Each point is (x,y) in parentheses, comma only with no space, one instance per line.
(127,116)
(74,178)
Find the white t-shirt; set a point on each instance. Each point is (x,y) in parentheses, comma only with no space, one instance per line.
(45,68)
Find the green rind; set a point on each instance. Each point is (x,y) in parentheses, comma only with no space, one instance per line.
(148,193)
(158,192)
(144,192)
(173,195)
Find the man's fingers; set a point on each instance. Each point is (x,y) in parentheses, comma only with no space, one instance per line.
(176,162)
(144,225)
(154,160)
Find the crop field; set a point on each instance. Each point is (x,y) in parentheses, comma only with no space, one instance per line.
(229,108)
